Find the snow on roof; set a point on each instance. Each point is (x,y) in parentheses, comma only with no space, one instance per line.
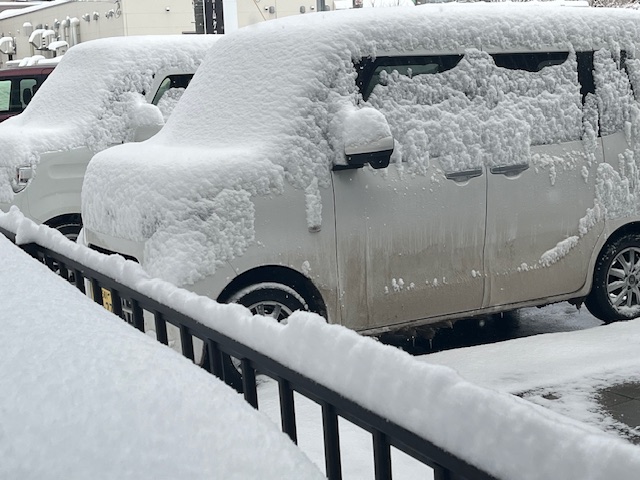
(86,396)
(266,106)
(86,100)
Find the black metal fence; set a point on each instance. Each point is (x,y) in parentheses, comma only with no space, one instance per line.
(219,348)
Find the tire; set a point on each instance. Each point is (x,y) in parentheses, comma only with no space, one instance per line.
(268,299)
(615,293)
(70,227)
(271,300)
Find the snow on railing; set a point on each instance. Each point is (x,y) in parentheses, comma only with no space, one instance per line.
(458,429)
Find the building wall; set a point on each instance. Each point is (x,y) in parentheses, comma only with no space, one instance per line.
(98,19)
(151,17)
(255,11)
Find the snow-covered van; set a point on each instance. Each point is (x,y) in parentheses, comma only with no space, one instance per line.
(102,93)
(394,168)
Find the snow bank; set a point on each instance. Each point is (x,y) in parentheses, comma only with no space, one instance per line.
(85,396)
(88,99)
(480,425)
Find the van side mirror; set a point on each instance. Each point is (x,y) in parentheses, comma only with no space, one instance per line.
(145,120)
(367,139)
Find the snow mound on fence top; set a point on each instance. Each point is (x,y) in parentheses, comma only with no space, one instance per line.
(87,99)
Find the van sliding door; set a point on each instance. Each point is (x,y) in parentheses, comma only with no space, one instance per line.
(541,224)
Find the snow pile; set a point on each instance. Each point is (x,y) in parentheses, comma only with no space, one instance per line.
(432,401)
(276,114)
(91,96)
(86,396)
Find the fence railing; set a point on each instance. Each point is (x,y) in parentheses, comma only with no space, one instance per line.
(219,348)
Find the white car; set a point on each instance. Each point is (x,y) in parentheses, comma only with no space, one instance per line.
(394,168)
(103,93)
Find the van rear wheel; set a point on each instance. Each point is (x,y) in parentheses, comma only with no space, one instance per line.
(69,226)
(615,293)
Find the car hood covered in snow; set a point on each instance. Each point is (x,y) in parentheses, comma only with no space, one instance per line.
(266,107)
(87,100)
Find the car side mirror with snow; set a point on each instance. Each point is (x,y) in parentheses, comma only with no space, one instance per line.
(145,120)
(367,139)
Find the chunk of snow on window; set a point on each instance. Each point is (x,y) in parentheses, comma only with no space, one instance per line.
(613,91)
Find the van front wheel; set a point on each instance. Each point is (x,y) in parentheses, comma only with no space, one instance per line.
(271,300)
(615,294)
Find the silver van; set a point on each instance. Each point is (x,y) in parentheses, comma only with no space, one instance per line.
(102,93)
(394,168)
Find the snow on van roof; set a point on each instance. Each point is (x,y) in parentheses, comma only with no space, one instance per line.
(85,102)
(266,106)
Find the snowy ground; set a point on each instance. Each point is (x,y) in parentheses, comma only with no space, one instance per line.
(433,401)
(564,369)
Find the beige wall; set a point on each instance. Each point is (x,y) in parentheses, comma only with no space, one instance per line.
(150,17)
(137,17)
(255,11)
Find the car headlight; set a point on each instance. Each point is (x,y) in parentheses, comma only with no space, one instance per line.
(22,178)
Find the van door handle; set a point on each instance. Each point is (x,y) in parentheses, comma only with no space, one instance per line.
(463,176)
(509,170)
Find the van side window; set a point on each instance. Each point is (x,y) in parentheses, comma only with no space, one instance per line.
(613,91)
(530,62)
(169,92)
(371,72)
(478,114)
(5,95)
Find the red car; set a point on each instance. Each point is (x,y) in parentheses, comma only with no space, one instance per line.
(17,86)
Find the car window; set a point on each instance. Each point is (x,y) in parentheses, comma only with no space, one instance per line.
(5,95)
(169,92)
(376,72)
(530,62)
(27,90)
(477,113)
